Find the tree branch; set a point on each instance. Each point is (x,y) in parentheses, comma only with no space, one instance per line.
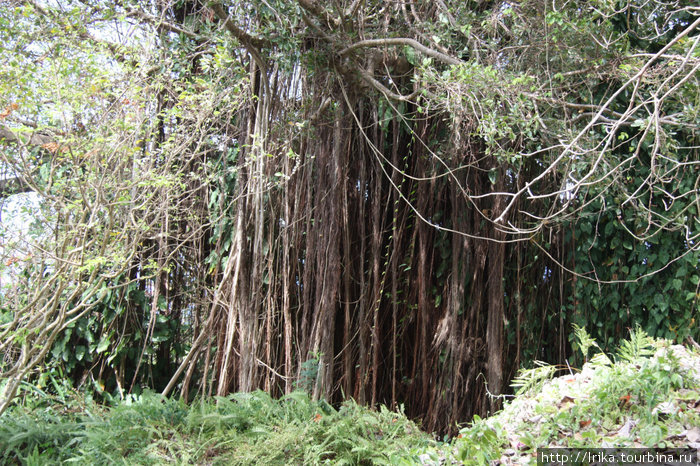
(369,79)
(36,138)
(11,186)
(160,23)
(252,44)
(353,8)
(313,8)
(402,41)
(246,39)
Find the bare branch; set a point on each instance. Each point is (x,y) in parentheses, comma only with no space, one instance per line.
(246,39)
(313,8)
(160,23)
(369,79)
(7,135)
(402,41)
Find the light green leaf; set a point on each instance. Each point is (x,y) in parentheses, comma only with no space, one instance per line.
(103,344)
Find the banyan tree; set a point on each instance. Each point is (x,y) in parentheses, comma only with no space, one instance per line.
(399,202)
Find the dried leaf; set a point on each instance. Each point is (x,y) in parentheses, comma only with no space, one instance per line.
(8,110)
(51,147)
(566,401)
(624,400)
(626,429)
(666,408)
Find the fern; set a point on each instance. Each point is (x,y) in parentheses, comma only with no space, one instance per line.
(308,373)
(600,360)
(639,345)
(23,437)
(584,341)
(245,428)
(531,379)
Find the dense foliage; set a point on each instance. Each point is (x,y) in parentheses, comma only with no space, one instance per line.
(398,202)
(646,395)
(242,429)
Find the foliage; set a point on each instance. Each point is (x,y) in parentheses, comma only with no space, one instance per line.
(308,375)
(92,291)
(244,428)
(584,342)
(645,398)
(529,380)
(362,199)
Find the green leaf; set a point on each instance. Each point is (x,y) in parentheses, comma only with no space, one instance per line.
(493,175)
(410,55)
(103,344)
(609,229)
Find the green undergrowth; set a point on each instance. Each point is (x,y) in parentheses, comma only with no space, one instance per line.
(645,395)
(245,428)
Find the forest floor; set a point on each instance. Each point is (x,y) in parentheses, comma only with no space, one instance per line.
(645,395)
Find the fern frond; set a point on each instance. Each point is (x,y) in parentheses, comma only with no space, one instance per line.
(639,345)
(600,360)
(584,340)
(530,379)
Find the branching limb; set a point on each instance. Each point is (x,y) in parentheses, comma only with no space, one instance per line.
(402,41)
(243,37)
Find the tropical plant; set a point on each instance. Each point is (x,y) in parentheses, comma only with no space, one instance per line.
(414,193)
